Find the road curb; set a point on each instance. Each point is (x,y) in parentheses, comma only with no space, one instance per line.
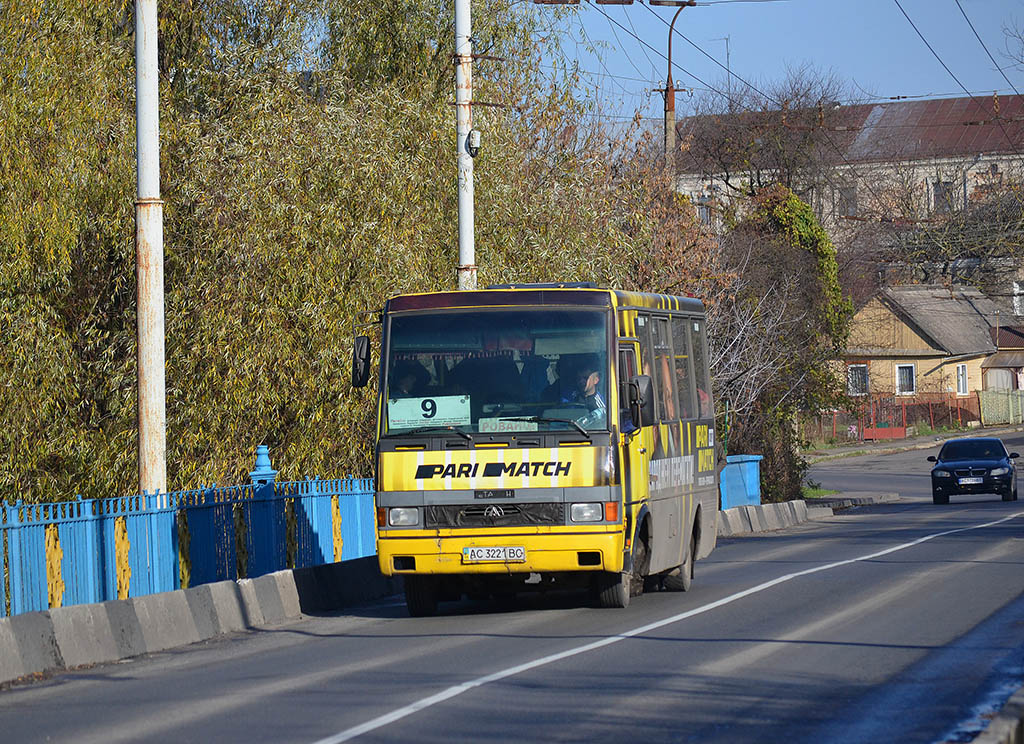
(63,638)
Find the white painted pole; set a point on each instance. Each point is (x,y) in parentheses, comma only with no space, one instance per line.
(463,127)
(149,256)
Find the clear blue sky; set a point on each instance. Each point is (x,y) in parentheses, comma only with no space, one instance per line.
(868,43)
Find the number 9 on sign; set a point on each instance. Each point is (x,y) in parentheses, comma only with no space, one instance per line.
(441,410)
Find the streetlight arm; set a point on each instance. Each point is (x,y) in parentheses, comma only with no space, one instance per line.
(671,30)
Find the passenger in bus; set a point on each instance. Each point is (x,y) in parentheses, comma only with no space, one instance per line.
(408,379)
(561,388)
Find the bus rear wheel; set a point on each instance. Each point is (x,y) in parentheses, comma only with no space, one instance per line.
(681,579)
(421,595)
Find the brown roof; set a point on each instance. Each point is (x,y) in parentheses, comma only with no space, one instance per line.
(894,130)
(1009,337)
(947,127)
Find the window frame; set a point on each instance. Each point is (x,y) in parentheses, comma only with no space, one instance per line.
(966,380)
(943,196)
(846,200)
(867,379)
(913,378)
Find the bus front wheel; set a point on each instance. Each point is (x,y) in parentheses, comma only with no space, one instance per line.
(613,589)
(421,595)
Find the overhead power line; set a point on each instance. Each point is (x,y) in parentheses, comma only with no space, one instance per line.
(978,37)
(946,68)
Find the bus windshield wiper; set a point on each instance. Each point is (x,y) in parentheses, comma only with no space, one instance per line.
(426,429)
(542,420)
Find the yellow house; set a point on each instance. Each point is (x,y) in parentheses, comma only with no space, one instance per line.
(921,340)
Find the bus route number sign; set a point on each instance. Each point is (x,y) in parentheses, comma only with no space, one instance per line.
(444,410)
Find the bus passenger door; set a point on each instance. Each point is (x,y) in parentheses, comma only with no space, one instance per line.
(636,452)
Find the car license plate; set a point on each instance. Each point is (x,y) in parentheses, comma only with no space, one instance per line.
(971,481)
(499,553)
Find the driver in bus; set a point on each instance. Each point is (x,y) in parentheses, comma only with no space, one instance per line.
(587,392)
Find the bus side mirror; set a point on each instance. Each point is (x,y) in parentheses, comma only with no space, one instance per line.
(361,361)
(641,400)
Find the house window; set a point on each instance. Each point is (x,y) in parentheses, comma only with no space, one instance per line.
(961,379)
(847,206)
(906,382)
(944,195)
(857,379)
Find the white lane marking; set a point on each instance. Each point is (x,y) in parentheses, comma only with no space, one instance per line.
(455,690)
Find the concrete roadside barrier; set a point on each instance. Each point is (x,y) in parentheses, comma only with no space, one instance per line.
(1008,725)
(84,635)
(165,621)
(766,517)
(66,637)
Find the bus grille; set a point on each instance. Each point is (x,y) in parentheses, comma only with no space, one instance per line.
(494,515)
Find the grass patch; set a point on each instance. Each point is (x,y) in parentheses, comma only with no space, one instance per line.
(812,490)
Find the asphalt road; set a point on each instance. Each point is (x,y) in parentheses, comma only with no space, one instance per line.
(891,623)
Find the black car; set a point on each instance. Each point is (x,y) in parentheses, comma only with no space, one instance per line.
(973,465)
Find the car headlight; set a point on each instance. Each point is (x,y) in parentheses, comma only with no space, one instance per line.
(586,512)
(998,471)
(940,473)
(402,516)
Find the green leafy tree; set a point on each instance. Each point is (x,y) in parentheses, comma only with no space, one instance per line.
(788,310)
(308,173)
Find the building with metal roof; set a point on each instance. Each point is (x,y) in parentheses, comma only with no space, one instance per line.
(938,154)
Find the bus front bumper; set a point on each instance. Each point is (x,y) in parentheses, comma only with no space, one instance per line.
(549,553)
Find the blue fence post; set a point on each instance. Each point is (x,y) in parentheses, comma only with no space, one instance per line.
(265,538)
(5,524)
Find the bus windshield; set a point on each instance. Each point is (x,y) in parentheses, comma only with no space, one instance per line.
(495,371)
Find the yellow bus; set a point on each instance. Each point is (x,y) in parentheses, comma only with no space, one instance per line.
(540,436)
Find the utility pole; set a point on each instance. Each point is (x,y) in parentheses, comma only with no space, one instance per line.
(149,256)
(463,135)
(670,91)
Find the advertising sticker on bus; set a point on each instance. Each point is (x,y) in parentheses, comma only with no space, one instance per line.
(445,410)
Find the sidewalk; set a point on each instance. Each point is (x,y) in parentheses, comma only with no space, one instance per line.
(890,446)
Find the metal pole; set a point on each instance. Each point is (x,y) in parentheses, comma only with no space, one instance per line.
(463,127)
(670,93)
(149,256)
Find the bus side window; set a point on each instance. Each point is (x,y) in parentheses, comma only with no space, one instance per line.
(627,370)
(700,370)
(643,331)
(665,376)
(683,361)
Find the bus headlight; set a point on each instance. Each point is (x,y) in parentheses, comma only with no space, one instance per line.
(401,516)
(586,512)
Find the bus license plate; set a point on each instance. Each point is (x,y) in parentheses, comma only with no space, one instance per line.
(500,553)
(971,481)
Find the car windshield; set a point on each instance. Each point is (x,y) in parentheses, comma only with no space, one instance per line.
(973,449)
(493,371)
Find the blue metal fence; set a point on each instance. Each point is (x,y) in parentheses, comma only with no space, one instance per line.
(94,550)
